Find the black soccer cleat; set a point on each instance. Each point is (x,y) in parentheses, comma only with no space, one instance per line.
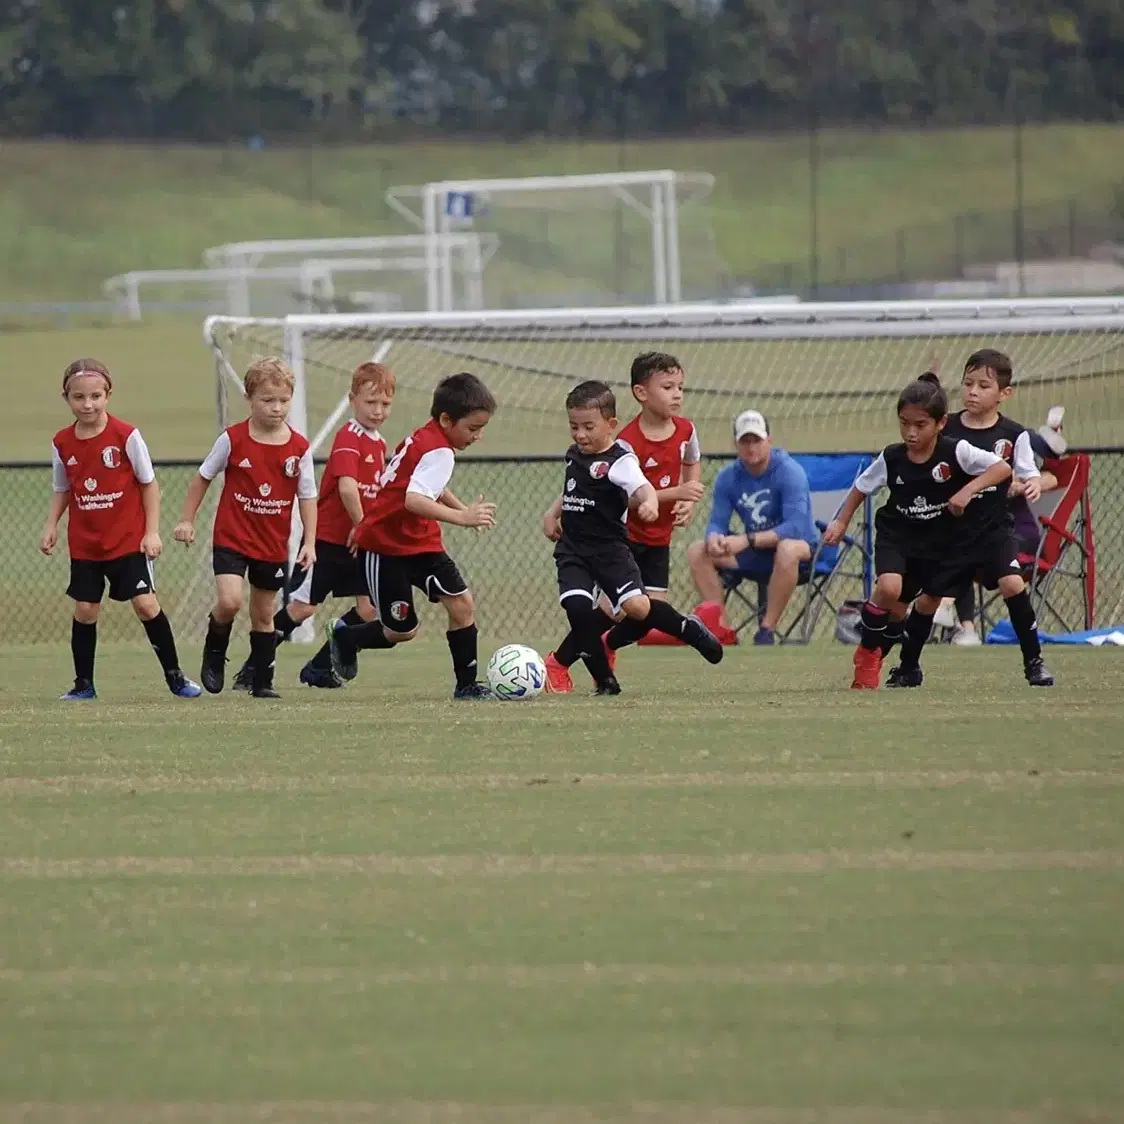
(907,677)
(478,691)
(702,640)
(348,654)
(213,672)
(264,693)
(1038,674)
(244,680)
(319,677)
(608,686)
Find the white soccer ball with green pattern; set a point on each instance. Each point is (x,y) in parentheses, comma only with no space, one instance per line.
(516,672)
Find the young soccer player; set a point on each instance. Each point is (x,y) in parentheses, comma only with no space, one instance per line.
(927,532)
(587,522)
(266,466)
(399,540)
(105,484)
(347,491)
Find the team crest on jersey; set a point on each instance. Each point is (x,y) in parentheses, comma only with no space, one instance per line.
(292,466)
(665,481)
(399,610)
(265,489)
(942,473)
(571,484)
(91,484)
(111,456)
(1003,449)
(599,470)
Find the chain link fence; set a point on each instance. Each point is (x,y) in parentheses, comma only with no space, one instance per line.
(509,568)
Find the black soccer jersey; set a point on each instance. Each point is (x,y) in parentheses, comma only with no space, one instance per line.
(595,497)
(1007,440)
(916,512)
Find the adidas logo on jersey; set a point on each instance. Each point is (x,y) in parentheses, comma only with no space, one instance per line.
(245,463)
(651,462)
(73,460)
(370,459)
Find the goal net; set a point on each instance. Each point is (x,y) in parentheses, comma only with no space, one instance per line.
(826,375)
(615,238)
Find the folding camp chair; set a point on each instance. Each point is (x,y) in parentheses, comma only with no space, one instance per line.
(830,477)
(1062,573)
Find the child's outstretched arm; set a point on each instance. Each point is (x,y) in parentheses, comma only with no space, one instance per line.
(837,528)
(185,529)
(552,521)
(478,514)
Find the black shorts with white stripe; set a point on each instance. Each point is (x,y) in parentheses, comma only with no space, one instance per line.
(611,569)
(127,577)
(392,578)
(336,573)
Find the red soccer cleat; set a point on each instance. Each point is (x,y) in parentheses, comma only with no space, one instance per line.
(710,613)
(558,681)
(610,653)
(868,669)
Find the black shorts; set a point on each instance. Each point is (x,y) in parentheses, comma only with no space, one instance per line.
(391,579)
(986,561)
(997,562)
(655,565)
(263,575)
(892,556)
(611,569)
(336,573)
(128,576)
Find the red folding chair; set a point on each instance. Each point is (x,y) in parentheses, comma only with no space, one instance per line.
(1062,573)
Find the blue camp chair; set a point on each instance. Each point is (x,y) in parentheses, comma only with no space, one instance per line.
(833,570)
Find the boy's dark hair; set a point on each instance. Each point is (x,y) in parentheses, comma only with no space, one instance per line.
(994,361)
(650,363)
(461,395)
(595,395)
(927,393)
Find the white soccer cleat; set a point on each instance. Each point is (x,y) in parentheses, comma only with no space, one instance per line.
(945,616)
(966,638)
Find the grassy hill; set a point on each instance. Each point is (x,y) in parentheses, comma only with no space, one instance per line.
(72,215)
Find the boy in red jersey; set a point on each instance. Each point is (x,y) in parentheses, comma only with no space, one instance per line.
(347,490)
(104,480)
(399,541)
(667,447)
(266,466)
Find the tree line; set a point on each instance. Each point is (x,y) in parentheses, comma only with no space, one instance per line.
(224,69)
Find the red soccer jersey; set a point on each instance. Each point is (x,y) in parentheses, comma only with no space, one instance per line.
(103,474)
(423,463)
(361,454)
(260,483)
(662,464)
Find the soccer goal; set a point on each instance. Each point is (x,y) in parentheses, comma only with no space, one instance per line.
(614,238)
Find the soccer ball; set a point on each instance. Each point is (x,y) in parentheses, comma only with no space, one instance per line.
(516,672)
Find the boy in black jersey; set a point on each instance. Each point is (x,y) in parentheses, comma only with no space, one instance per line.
(587,522)
(927,533)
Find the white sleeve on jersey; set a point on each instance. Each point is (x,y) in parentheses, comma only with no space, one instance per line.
(1025,465)
(306,481)
(137,452)
(217,459)
(873,477)
(59,480)
(693,453)
(626,473)
(974,461)
(433,472)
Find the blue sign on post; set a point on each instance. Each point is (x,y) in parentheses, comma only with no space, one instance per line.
(460,205)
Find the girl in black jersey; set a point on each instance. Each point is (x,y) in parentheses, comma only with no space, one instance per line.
(923,524)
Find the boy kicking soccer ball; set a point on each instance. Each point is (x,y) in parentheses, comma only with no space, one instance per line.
(400,544)
(266,466)
(347,491)
(105,483)
(587,522)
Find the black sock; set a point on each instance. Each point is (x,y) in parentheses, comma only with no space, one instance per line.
(284,624)
(263,647)
(585,631)
(83,645)
(1023,621)
(352,617)
(567,652)
(918,628)
(363,636)
(874,621)
(462,647)
(218,636)
(159,632)
(893,634)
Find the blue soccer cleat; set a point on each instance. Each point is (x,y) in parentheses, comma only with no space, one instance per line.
(83,689)
(181,686)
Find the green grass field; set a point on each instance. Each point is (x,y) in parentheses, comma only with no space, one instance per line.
(144,207)
(734,894)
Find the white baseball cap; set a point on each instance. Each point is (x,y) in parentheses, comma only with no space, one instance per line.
(751,423)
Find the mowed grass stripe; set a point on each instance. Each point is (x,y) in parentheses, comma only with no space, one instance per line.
(449,1112)
(560,975)
(467,865)
(440,782)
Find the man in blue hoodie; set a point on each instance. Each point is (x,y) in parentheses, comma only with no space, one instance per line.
(769,492)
